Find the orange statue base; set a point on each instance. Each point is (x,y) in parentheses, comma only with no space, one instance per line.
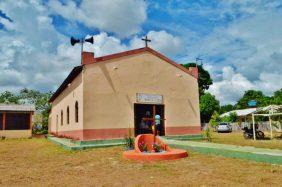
(148,149)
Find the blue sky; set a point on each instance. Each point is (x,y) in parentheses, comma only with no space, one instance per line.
(239,40)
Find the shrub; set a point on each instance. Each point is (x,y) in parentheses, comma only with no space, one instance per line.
(207,134)
(157,148)
(215,119)
(129,143)
(129,140)
(143,147)
(39,129)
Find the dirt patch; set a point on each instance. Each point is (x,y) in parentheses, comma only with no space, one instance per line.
(38,162)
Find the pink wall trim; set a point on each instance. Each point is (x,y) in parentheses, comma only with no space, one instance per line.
(94,134)
(75,134)
(105,133)
(98,134)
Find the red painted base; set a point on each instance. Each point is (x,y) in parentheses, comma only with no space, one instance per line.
(151,157)
(148,139)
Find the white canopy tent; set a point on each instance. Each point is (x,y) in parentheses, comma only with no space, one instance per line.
(240,113)
(268,111)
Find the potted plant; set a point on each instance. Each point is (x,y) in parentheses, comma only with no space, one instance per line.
(143,147)
(157,148)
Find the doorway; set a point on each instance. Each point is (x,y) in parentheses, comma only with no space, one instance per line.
(146,111)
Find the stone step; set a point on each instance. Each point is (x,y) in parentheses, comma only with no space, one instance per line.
(70,145)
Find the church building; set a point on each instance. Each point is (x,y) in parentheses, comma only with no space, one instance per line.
(111,96)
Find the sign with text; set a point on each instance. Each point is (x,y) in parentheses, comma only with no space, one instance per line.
(252,103)
(149,98)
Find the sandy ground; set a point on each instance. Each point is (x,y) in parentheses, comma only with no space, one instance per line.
(236,138)
(38,162)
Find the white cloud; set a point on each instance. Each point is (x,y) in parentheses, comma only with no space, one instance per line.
(105,45)
(7,23)
(33,54)
(252,46)
(269,82)
(231,87)
(162,41)
(122,17)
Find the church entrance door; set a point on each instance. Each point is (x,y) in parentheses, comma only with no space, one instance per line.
(145,111)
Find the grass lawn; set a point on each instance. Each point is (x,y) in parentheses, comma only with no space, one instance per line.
(38,162)
(236,138)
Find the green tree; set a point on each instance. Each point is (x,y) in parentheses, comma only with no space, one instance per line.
(208,104)
(226,108)
(261,99)
(9,97)
(41,102)
(277,98)
(232,117)
(204,79)
(26,96)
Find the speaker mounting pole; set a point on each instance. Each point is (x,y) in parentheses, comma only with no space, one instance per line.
(81,43)
(74,41)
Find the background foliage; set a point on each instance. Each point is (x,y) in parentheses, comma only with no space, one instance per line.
(215,119)
(231,118)
(208,105)
(26,96)
(204,79)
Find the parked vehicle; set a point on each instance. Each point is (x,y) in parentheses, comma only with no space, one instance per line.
(248,133)
(224,127)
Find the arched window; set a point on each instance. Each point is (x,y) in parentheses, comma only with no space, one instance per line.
(62,118)
(68,115)
(76,112)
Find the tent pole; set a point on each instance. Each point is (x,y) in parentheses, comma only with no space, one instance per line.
(270,121)
(254,130)
(280,125)
(270,126)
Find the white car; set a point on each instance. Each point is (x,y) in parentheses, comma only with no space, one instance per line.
(224,127)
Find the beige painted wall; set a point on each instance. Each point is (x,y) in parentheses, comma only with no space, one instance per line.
(110,89)
(16,133)
(73,93)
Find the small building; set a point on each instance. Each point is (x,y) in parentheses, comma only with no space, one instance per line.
(109,97)
(16,120)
